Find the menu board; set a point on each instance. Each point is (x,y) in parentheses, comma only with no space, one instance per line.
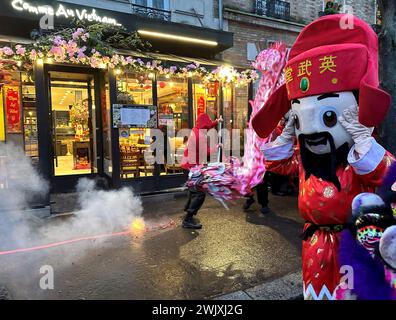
(134,116)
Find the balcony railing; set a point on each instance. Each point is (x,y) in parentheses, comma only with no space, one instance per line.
(273,8)
(153,13)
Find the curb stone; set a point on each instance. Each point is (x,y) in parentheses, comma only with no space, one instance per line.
(288,287)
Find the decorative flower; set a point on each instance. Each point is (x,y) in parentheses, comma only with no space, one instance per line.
(8,51)
(20,50)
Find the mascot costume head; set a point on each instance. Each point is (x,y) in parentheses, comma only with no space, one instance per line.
(330,69)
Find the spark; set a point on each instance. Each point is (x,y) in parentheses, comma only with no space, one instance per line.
(61,243)
(138,226)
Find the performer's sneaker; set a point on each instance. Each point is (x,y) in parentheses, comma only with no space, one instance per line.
(191,224)
(248,203)
(265,210)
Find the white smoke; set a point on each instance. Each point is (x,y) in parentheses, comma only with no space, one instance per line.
(19,181)
(99,211)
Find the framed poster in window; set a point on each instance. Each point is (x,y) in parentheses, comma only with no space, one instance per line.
(134,116)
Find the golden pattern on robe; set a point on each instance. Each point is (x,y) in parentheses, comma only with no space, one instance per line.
(314,239)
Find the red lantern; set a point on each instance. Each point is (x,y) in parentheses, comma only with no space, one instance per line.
(162,84)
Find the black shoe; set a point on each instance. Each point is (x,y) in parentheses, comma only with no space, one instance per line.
(279,193)
(190,223)
(265,210)
(248,203)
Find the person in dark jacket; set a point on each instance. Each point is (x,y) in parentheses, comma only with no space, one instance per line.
(196,152)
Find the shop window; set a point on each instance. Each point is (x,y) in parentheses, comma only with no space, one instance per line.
(158,4)
(172,113)
(206,99)
(2,120)
(235,114)
(73,110)
(18,119)
(135,155)
(29,117)
(106,124)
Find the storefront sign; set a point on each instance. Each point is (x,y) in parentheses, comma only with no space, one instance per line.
(134,116)
(2,123)
(62,11)
(13,109)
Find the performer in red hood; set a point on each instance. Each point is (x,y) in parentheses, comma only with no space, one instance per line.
(333,92)
(196,152)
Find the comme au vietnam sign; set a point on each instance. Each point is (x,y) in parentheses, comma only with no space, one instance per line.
(63,11)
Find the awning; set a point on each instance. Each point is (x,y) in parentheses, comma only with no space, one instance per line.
(177,58)
(12,39)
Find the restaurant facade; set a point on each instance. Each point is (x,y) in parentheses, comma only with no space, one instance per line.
(77,120)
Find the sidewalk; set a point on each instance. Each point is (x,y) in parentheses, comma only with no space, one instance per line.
(236,255)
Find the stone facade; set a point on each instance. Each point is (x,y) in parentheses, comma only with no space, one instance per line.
(254,31)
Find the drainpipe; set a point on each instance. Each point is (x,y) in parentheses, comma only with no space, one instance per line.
(375,12)
(221,14)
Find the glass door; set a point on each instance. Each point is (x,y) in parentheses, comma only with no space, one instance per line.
(72,108)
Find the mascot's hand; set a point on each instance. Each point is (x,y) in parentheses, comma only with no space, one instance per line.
(288,132)
(361,134)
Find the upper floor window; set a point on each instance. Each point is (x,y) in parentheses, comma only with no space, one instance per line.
(157,4)
(273,8)
(155,9)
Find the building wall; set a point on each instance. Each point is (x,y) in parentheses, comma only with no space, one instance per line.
(245,33)
(252,33)
(192,12)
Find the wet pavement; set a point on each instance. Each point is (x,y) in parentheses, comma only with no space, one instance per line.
(234,251)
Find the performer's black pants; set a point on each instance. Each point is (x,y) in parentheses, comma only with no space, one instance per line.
(195,200)
(262,191)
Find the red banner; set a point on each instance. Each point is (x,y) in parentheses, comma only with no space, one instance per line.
(13,109)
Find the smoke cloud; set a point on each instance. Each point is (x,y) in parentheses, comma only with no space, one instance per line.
(99,211)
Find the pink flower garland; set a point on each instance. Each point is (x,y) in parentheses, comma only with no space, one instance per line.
(69,51)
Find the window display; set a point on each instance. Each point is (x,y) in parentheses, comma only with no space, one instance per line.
(172,112)
(74,124)
(135,156)
(206,99)
(235,114)
(29,117)
(106,123)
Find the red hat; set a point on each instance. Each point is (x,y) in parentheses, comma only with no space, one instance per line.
(327,58)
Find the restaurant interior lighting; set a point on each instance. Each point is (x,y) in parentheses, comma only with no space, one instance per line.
(177,38)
